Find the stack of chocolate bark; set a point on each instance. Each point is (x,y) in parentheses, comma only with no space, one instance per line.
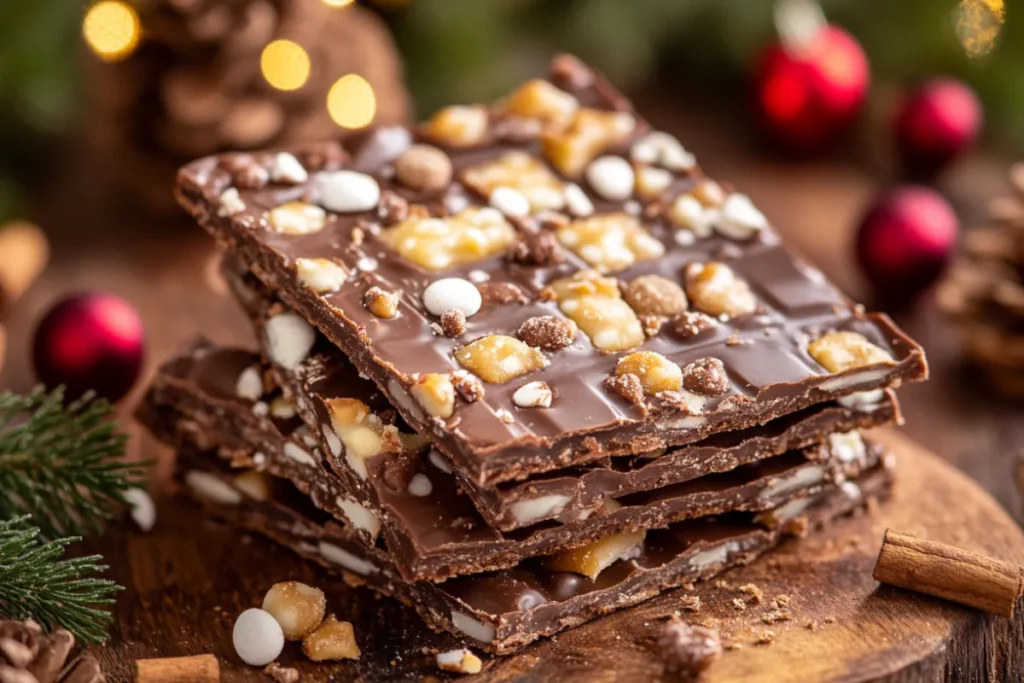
(522,366)
(984,291)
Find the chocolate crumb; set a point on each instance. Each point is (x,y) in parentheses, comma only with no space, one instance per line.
(798,526)
(755,593)
(765,638)
(469,387)
(706,376)
(738,604)
(501,293)
(651,324)
(782,600)
(548,332)
(686,650)
(776,616)
(627,386)
(691,323)
(537,248)
(812,625)
(830,620)
(453,322)
(691,603)
(392,208)
(282,674)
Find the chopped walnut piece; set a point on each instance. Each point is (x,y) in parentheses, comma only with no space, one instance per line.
(590,132)
(282,674)
(499,358)
(626,386)
(841,351)
(333,639)
(692,323)
(655,295)
(651,181)
(424,168)
(538,248)
(651,324)
(610,242)
(459,661)
(297,218)
(435,243)
(468,386)
(521,172)
(539,99)
(392,208)
(716,290)
(690,603)
(592,559)
(655,372)
(436,393)
(533,395)
(547,332)
(595,304)
(453,323)
(381,303)
(755,593)
(706,376)
(687,650)
(458,126)
(320,274)
(501,293)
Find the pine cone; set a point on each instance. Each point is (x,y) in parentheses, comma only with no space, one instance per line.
(29,656)
(983,292)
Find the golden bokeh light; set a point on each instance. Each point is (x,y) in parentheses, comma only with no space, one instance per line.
(351,102)
(338,3)
(111,29)
(978,24)
(285,65)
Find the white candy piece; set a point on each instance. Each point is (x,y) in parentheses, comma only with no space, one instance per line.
(143,511)
(289,339)
(533,395)
(662,150)
(452,293)
(250,384)
(420,485)
(510,202)
(611,177)
(231,202)
(740,219)
(577,201)
(287,169)
(257,637)
(211,488)
(347,191)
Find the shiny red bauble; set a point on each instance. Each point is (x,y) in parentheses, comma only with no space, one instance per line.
(90,341)
(905,241)
(806,95)
(938,121)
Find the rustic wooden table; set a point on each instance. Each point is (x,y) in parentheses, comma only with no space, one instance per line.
(166,269)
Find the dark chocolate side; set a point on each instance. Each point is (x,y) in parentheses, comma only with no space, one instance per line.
(765,353)
(503,611)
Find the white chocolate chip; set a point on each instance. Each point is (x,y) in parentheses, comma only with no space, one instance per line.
(289,339)
(438,461)
(740,219)
(366,264)
(333,442)
(250,384)
(510,202)
(460,661)
(577,201)
(287,169)
(143,511)
(452,293)
(347,191)
(479,276)
(260,409)
(298,454)
(257,637)
(420,485)
(230,203)
(662,150)
(211,488)
(533,395)
(320,274)
(611,177)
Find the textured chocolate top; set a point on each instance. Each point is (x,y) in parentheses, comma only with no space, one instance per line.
(726,288)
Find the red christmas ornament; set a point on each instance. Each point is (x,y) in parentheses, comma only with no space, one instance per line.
(905,240)
(937,122)
(809,92)
(89,341)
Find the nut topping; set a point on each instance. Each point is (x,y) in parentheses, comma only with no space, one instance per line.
(453,323)
(655,295)
(739,218)
(706,377)
(231,203)
(611,177)
(460,661)
(842,351)
(538,248)
(320,274)
(436,393)
(522,173)
(691,323)
(533,395)
(498,358)
(595,304)
(436,243)
(333,639)
(458,126)
(590,132)
(590,560)
(424,168)
(655,372)
(548,332)
(363,433)
(298,608)
(501,293)
(651,181)
(469,387)
(610,242)
(716,290)
(538,99)
(687,650)
(626,386)
(381,303)
(297,218)
(662,149)
(288,170)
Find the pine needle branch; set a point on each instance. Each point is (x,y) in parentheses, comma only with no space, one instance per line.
(61,463)
(37,581)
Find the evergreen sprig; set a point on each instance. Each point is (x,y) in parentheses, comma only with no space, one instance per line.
(61,463)
(38,582)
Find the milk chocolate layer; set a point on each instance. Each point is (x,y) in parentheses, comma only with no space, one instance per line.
(431,529)
(503,611)
(573,491)
(491,439)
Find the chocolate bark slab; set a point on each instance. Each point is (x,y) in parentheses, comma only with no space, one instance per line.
(766,307)
(503,611)
(575,491)
(431,529)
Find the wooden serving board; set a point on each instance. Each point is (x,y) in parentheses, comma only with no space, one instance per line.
(188,578)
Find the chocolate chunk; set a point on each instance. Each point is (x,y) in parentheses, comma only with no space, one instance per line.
(706,377)
(548,332)
(687,651)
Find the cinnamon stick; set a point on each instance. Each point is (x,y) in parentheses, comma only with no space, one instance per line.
(25,253)
(197,669)
(949,572)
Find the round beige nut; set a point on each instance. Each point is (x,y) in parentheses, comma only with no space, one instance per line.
(655,295)
(424,168)
(298,608)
